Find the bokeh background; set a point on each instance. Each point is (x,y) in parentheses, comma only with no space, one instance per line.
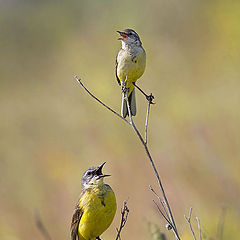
(51,131)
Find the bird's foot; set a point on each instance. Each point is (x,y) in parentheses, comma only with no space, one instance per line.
(150,98)
(124,89)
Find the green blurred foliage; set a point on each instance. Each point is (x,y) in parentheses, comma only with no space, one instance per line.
(51,131)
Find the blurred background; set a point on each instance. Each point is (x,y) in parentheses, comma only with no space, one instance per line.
(51,131)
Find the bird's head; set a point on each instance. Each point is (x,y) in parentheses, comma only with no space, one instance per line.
(129,37)
(93,176)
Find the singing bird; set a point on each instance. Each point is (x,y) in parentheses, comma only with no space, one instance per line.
(130,66)
(96,206)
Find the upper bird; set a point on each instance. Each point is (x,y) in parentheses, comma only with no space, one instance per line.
(96,206)
(130,66)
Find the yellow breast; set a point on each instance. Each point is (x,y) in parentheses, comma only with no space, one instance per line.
(131,64)
(99,208)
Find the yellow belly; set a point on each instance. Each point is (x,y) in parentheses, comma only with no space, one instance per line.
(130,67)
(99,208)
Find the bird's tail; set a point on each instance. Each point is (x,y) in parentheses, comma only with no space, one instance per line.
(132,104)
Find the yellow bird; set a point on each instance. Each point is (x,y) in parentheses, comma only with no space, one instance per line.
(96,206)
(130,66)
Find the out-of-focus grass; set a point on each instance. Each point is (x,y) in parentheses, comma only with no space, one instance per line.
(51,131)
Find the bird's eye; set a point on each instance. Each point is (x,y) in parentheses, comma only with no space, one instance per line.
(88,173)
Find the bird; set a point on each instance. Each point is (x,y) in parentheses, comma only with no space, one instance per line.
(96,207)
(130,66)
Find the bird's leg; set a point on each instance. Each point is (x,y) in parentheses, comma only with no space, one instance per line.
(98,238)
(148,97)
(123,85)
(124,88)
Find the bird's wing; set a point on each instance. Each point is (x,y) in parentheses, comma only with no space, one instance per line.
(116,65)
(77,214)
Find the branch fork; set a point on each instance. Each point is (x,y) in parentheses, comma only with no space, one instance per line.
(168,213)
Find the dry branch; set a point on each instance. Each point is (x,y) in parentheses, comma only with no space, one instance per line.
(199,228)
(144,143)
(124,213)
(188,219)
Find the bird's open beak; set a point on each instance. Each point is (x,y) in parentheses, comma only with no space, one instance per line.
(123,35)
(102,176)
(99,168)
(99,171)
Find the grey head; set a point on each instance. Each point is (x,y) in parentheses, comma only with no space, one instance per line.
(129,36)
(92,176)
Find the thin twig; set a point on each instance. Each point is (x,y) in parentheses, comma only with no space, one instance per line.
(188,219)
(161,201)
(146,123)
(221,223)
(140,90)
(110,109)
(41,227)
(154,168)
(124,213)
(147,152)
(199,228)
(159,209)
(148,97)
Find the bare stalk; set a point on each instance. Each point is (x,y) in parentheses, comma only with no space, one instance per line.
(124,213)
(161,201)
(144,143)
(188,219)
(199,228)
(110,109)
(221,223)
(41,227)
(151,161)
(163,215)
(146,123)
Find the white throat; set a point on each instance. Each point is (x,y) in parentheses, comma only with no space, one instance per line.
(124,45)
(129,45)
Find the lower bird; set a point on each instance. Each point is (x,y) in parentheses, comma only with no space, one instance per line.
(130,66)
(96,206)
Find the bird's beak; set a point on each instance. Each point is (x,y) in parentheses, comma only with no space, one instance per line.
(99,171)
(102,176)
(123,34)
(99,168)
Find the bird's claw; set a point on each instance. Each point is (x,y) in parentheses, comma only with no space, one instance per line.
(124,89)
(150,98)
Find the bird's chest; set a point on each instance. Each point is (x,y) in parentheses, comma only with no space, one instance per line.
(99,208)
(131,65)
(99,202)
